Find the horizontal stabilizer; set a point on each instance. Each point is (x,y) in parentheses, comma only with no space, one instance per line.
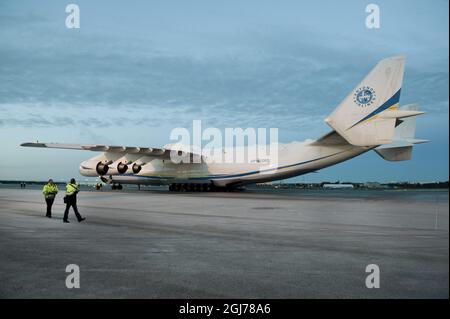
(417,141)
(398,114)
(400,149)
(403,153)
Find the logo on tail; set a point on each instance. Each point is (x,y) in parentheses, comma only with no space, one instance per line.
(364,96)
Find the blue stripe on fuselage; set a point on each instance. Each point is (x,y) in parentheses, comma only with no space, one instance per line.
(223,176)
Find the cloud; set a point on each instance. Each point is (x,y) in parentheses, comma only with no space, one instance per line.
(267,73)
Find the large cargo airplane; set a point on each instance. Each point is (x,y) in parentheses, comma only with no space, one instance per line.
(369,118)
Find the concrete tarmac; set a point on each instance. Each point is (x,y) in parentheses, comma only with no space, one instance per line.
(154,244)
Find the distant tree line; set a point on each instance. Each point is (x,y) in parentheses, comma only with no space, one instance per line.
(431,185)
(368,185)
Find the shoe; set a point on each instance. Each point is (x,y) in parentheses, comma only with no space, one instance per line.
(81,219)
(48,216)
(66,221)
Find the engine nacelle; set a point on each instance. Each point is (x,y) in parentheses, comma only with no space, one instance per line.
(99,165)
(102,168)
(122,168)
(136,168)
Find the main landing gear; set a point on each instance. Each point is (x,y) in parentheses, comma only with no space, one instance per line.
(181,187)
(116,186)
(190,187)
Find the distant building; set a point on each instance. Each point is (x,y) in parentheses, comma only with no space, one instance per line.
(338,186)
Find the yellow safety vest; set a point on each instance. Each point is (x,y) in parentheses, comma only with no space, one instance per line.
(71,189)
(50,190)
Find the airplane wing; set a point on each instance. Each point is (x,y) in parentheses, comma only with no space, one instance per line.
(145,151)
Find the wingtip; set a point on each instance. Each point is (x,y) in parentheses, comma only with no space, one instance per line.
(397,57)
(400,57)
(26,144)
(33,144)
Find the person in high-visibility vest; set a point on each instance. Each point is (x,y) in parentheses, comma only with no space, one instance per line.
(72,189)
(50,190)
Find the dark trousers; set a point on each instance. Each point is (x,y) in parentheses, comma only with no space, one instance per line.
(49,202)
(75,209)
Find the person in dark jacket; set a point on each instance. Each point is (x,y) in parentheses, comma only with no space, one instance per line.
(72,189)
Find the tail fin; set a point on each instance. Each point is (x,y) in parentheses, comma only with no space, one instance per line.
(361,118)
(404,138)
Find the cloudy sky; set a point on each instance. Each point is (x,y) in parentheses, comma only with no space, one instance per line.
(135,70)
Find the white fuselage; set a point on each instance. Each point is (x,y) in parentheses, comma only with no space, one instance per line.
(293,159)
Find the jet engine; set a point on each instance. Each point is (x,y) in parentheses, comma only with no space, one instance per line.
(122,167)
(102,168)
(136,168)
